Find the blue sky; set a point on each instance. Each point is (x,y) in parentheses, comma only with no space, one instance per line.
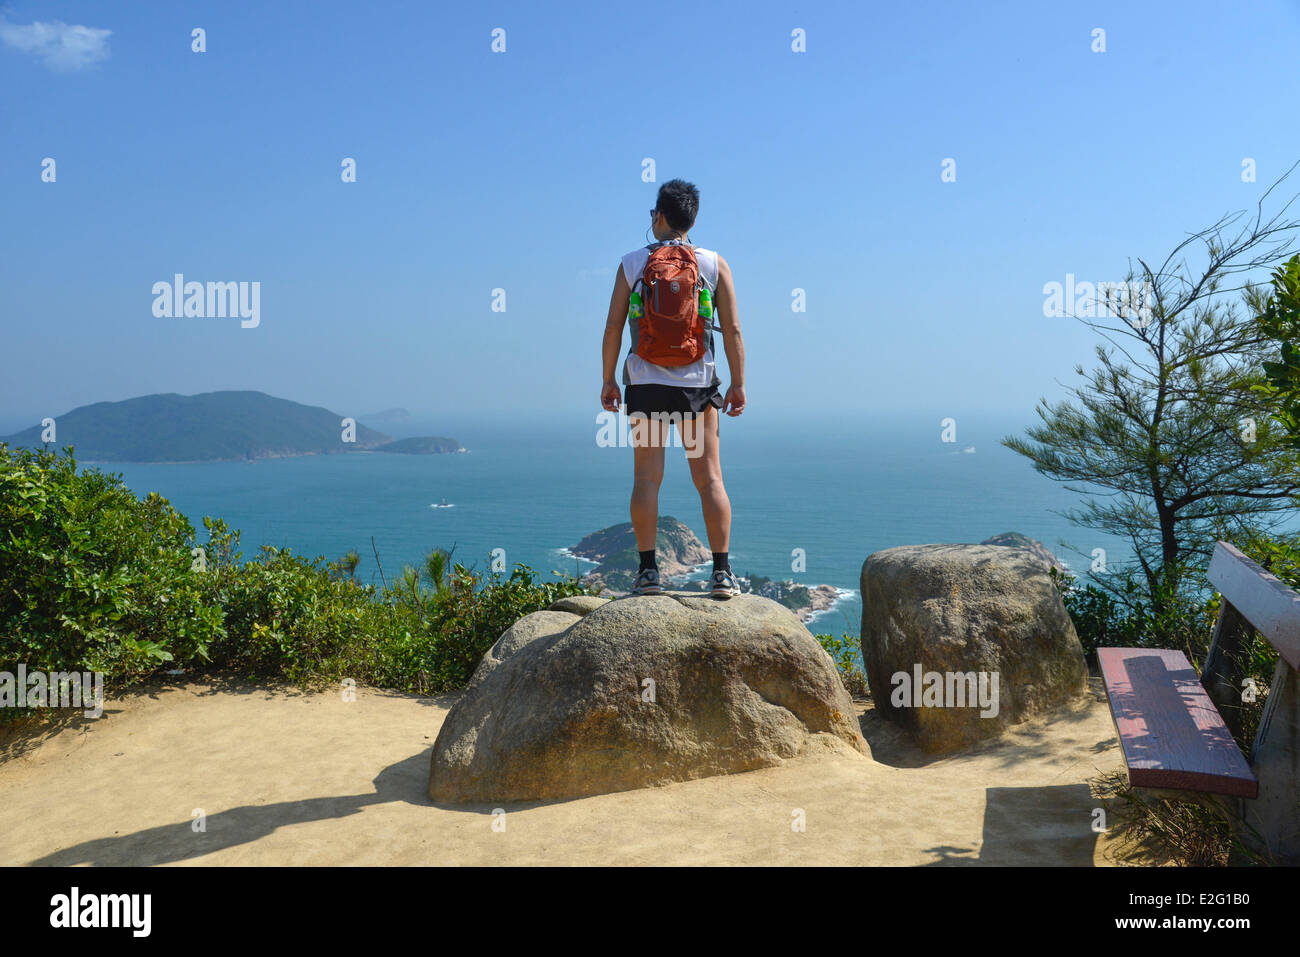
(522,170)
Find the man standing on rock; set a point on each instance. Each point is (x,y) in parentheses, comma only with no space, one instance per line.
(669,291)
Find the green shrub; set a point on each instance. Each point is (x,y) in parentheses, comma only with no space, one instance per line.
(1122,614)
(94,579)
(844,652)
(469,616)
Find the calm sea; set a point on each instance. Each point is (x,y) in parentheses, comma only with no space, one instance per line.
(838,491)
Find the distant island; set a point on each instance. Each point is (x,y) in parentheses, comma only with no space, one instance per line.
(679,553)
(421,445)
(214,427)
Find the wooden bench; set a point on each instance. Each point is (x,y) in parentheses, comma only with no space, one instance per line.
(1175,728)
(1172,735)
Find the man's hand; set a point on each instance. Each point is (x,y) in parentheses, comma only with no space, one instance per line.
(734,401)
(609,396)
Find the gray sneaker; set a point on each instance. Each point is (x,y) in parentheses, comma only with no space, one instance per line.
(724,584)
(647,583)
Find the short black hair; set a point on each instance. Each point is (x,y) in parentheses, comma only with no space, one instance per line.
(679,201)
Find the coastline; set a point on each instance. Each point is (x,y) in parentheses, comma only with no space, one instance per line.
(824,598)
(259,458)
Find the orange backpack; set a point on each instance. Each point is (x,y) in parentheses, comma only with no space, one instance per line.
(670,331)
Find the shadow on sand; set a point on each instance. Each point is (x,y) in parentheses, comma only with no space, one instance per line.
(406,781)
(1022,826)
(1026,827)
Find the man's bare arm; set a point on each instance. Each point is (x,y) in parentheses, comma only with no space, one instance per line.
(732,342)
(613,344)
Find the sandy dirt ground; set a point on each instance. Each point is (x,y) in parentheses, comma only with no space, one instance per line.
(283,777)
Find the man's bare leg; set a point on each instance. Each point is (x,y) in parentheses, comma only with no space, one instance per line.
(648,440)
(700,438)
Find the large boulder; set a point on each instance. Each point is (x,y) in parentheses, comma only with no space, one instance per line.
(943,624)
(636,692)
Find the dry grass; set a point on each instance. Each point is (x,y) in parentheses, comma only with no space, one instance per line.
(1154,830)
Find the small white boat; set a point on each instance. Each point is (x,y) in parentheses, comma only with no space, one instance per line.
(443,504)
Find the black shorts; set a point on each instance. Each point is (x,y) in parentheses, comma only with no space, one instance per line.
(688,403)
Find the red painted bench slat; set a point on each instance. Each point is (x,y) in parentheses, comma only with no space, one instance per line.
(1170,731)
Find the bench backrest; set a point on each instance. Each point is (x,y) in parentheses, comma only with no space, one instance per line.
(1261,598)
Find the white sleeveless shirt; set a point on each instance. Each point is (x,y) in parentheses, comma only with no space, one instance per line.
(700,374)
